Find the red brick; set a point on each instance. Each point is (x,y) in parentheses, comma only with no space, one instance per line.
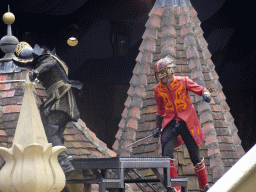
(111,153)
(221,95)
(189,41)
(181,54)
(150,34)
(153,22)
(185,68)
(11,108)
(218,86)
(193,63)
(236,139)
(130,90)
(215,161)
(139,90)
(228,117)
(135,112)
(168,41)
(128,101)
(213,150)
(225,139)
(146,58)
(125,112)
(210,139)
(2,133)
(213,74)
(125,143)
(115,145)
(143,79)
(149,45)
(216,108)
(205,116)
(196,21)
(222,131)
(156,56)
(217,172)
(204,69)
(8,93)
(232,128)
(149,147)
(192,11)
(122,123)
(208,128)
(217,116)
(118,134)
(220,123)
(202,43)
(133,80)
(130,134)
(138,59)
(182,9)
(229,155)
(192,53)
(224,105)
(168,21)
(188,169)
(240,151)
(184,19)
(145,69)
(196,74)
(3,77)
(210,64)
(156,11)
(6,86)
(185,30)
(168,31)
(169,10)
(180,40)
(206,54)
(168,50)
(226,147)
(198,30)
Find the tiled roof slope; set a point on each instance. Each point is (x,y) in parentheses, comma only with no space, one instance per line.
(79,140)
(173,28)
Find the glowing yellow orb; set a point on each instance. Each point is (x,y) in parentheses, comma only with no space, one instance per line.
(8,18)
(72,41)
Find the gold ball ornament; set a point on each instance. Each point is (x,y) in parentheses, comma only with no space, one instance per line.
(72,41)
(8,18)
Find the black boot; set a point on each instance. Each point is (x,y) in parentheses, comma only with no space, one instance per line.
(57,140)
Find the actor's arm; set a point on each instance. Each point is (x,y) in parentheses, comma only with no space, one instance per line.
(45,65)
(197,89)
(159,115)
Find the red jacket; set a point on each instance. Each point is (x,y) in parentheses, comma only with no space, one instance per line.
(177,101)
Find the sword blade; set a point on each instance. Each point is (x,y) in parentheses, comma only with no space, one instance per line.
(139,140)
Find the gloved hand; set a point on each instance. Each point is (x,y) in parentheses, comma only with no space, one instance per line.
(156,132)
(33,75)
(207,96)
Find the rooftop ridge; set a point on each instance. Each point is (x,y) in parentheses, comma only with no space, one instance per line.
(174,3)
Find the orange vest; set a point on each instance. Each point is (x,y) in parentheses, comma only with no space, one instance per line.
(177,101)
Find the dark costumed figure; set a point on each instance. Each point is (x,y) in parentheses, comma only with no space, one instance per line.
(60,106)
(177,120)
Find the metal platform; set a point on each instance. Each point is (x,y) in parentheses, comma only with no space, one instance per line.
(127,167)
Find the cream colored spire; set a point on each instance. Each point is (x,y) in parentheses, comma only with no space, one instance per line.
(31,163)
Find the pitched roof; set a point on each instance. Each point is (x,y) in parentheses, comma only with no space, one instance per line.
(173,28)
(79,140)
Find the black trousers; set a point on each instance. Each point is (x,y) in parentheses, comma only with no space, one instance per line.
(169,137)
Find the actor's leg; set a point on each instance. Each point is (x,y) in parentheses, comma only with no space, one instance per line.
(194,154)
(168,140)
(57,121)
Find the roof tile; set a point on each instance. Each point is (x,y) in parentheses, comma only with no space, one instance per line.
(168,21)
(168,50)
(210,139)
(8,93)
(5,86)
(156,11)
(199,30)
(184,19)
(222,131)
(122,123)
(130,134)
(188,169)
(153,22)
(150,34)
(168,31)
(213,150)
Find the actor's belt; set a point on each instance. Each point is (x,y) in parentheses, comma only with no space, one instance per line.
(54,87)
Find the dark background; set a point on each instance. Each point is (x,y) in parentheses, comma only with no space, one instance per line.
(105,67)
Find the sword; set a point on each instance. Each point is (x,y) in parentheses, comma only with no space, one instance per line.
(139,140)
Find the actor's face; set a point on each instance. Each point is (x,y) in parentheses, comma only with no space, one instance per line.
(165,75)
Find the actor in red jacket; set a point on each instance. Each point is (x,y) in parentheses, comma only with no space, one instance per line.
(177,121)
